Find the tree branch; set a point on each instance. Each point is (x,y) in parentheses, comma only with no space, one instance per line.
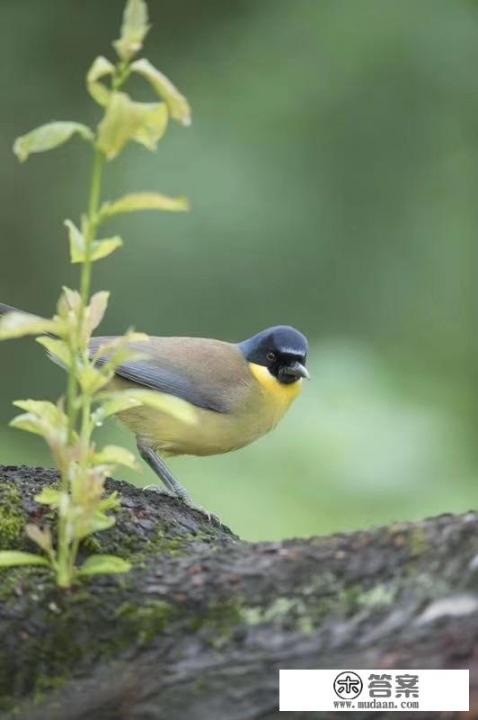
(201,626)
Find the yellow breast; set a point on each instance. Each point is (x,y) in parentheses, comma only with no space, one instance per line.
(277,396)
(262,406)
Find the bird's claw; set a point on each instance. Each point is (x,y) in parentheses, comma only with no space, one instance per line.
(210,517)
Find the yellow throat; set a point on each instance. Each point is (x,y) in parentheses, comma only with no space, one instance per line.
(279,395)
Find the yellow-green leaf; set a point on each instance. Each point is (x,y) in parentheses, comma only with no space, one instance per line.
(18,324)
(99,248)
(115,455)
(178,106)
(44,409)
(69,304)
(91,379)
(57,349)
(111,354)
(28,423)
(14,558)
(133,30)
(99,521)
(77,242)
(104,565)
(111,346)
(174,406)
(100,68)
(111,502)
(97,309)
(115,405)
(42,418)
(49,496)
(136,202)
(102,248)
(40,537)
(127,120)
(49,136)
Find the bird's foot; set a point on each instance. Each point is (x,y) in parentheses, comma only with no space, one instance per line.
(210,517)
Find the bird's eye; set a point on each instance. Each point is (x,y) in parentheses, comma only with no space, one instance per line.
(271,356)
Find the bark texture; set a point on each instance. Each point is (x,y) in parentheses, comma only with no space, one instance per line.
(200,627)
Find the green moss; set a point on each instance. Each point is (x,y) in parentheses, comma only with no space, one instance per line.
(162,543)
(355,597)
(377,596)
(13,579)
(12,516)
(175,546)
(220,620)
(223,619)
(92,544)
(145,622)
(45,684)
(418,541)
(47,661)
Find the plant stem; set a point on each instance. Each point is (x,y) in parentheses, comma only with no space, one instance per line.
(93,207)
(92,223)
(79,353)
(71,397)
(79,357)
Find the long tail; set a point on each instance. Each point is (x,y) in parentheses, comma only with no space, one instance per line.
(4,309)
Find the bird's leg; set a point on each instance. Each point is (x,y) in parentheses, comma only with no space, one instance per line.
(157,464)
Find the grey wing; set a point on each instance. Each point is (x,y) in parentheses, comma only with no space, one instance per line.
(171,381)
(162,367)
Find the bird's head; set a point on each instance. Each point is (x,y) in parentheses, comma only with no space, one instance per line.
(282,350)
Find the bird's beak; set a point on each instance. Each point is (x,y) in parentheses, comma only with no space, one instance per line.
(298,370)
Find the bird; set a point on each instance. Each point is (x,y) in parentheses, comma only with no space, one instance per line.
(239,392)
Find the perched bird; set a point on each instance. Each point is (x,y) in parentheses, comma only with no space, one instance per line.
(239,392)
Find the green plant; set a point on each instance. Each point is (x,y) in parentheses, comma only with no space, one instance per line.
(80,504)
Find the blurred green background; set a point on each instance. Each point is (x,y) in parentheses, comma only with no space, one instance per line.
(332,166)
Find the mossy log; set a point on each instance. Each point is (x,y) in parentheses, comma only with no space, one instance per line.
(200,627)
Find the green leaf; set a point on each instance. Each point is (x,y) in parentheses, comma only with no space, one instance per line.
(178,106)
(49,136)
(91,380)
(102,248)
(133,30)
(97,309)
(93,524)
(18,324)
(43,408)
(116,351)
(77,242)
(99,248)
(57,349)
(135,202)
(174,406)
(127,120)
(42,418)
(69,307)
(14,558)
(104,565)
(100,522)
(115,455)
(40,537)
(49,496)
(114,406)
(111,502)
(100,68)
